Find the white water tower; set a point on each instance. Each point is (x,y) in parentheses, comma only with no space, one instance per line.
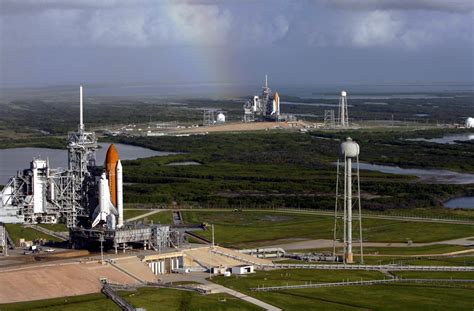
(343,115)
(350,198)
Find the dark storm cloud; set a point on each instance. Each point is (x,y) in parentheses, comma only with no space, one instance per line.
(204,40)
(457,6)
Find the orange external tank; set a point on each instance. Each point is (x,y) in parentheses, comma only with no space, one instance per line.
(111,160)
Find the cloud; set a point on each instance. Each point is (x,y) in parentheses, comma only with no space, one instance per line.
(454,6)
(376,28)
(12,7)
(245,23)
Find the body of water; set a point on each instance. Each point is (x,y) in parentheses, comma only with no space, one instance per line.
(462,202)
(448,139)
(15,159)
(436,176)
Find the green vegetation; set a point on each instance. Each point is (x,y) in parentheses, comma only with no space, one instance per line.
(290,169)
(402,251)
(33,141)
(375,297)
(131,213)
(171,299)
(254,228)
(90,302)
(17,231)
(294,277)
(434,275)
(420,261)
(148,298)
(55,227)
(414,250)
(162,217)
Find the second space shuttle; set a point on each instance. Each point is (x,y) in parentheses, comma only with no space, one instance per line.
(110,207)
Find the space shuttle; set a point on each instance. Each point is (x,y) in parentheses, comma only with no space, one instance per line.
(109,211)
(276,104)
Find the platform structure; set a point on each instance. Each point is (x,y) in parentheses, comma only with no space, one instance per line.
(156,237)
(265,107)
(329,119)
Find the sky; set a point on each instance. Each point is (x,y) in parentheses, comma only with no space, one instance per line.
(66,42)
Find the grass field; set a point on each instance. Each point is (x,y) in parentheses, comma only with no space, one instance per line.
(90,302)
(130,213)
(407,250)
(435,275)
(55,227)
(170,299)
(245,228)
(162,217)
(17,231)
(375,297)
(419,261)
(148,298)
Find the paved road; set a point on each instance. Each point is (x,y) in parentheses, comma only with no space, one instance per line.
(200,277)
(331,213)
(222,289)
(326,243)
(145,215)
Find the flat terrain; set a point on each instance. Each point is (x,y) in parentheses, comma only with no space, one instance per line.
(378,297)
(90,302)
(17,231)
(256,228)
(169,299)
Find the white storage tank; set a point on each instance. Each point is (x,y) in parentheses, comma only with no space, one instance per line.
(220,117)
(470,123)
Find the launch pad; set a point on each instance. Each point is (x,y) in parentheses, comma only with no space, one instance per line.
(88,198)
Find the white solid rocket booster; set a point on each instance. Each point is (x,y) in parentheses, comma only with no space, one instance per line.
(119,194)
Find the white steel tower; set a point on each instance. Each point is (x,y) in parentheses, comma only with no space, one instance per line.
(343,115)
(350,198)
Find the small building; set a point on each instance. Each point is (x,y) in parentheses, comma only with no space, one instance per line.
(243,269)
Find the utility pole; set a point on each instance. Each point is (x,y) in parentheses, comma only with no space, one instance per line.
(212,226)
(101,240)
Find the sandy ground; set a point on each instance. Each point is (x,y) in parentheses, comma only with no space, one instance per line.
(234,127)
(137,268)
(206,258)
(52,281)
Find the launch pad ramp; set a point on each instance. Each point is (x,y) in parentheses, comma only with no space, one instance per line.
(108,291)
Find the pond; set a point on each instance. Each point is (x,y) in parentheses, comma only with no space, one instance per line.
(14,159)
(436,176)
(447,139)
(462,202)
